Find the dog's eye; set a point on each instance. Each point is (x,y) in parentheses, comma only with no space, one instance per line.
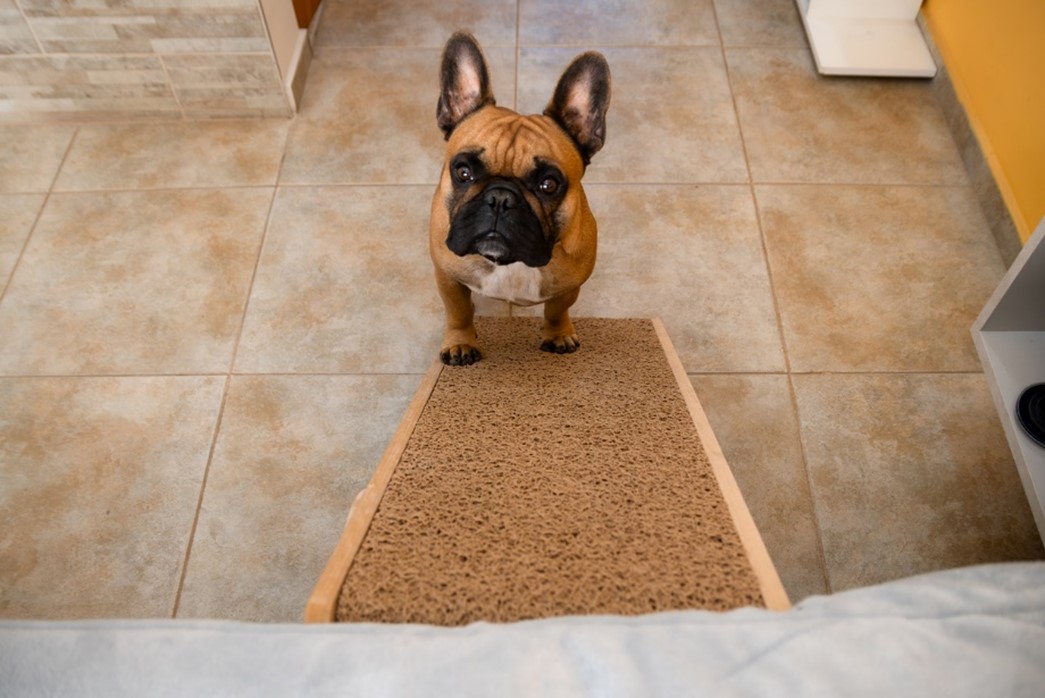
(463,173)
(548,186)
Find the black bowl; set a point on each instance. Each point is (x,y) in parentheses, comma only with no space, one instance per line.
(1030,411)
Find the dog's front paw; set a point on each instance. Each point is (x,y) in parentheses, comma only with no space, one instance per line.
(459,355)
(561,344)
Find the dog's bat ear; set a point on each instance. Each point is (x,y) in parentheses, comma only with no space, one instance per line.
(464,82)
(581,100)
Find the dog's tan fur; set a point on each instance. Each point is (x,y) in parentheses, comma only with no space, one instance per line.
(510,144)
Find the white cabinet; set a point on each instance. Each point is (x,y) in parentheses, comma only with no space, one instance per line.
(1010,338)
(867,37)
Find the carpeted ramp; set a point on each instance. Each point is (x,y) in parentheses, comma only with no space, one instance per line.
(532,485)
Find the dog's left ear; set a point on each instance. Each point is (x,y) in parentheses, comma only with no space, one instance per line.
(464,82)
(581,100)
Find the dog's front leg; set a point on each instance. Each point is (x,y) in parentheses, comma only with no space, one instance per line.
(558,335)
(459,341)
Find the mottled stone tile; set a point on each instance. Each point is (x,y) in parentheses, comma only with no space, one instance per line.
(617,23)
(133,282)
(132,8)
(415,25)
(227,86)
(910,473)
(101,477)
(693,256)
(878,278)
(15,36)
(368,116)
(802,127)
(17,214)
(147,156)
(760,23)
(755,423)
(671,117)
(147,27)
(31,155)
(81,88)
(292,454)
(344,284)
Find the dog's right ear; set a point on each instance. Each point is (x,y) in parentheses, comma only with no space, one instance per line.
(464,82)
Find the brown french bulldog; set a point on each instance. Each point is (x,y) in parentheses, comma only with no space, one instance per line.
(509,218)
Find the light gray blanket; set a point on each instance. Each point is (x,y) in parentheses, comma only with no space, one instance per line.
(978,631)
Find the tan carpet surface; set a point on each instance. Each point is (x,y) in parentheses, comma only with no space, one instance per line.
(538,485)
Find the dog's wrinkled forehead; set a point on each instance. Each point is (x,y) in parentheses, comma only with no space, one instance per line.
(511,143)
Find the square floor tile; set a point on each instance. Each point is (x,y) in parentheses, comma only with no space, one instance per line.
(760,23)
(591,22)
(411,24)
(292,454)
(133,282)
(671,117)
(878,278)
(31,155)
(17,214)
(692,256)
(185,154)
(802,127)
(345,284)
(755,423)
(910,473)
(368,116)
(101,477)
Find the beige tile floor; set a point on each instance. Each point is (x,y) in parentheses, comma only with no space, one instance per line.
(209,331)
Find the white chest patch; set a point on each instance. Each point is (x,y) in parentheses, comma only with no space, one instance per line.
(515,283)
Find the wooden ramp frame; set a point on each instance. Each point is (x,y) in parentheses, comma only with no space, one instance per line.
(322,605)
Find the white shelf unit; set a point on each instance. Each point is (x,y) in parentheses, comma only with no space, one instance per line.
(1010,338)
(867,37)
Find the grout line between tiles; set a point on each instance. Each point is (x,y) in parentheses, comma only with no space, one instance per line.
(362,185)
(609,46)
(225,392)
(868,185)
(836,373)
(518,53)
(433,184)
(418,372)
(813,502)
(32,30)
(754,183)
(39,214)
(199,500)
(817,518)
(25,245)
(170,83)
(257,260)
(149,190)
(135,54)
(325,374)
(42,119)
(96,376)
(573,46)
(891,372)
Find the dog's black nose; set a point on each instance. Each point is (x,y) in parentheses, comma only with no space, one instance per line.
(500,198)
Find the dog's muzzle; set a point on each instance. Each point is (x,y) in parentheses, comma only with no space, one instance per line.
(499,225)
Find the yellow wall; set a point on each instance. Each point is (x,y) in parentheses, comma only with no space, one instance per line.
(995,54)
